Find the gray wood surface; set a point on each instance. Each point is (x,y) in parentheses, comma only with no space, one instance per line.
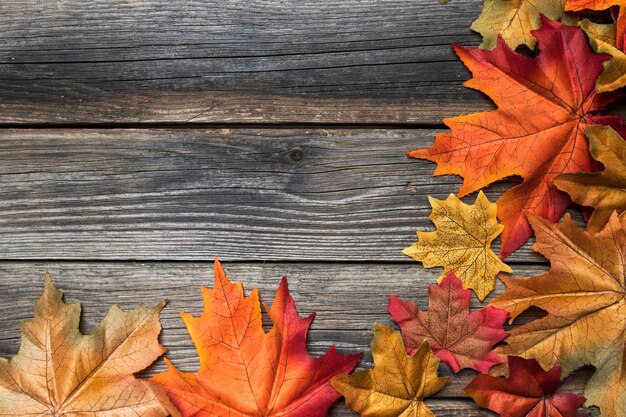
(329,289)
(191,194)
(233,61)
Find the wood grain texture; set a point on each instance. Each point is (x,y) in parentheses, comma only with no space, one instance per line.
(191,194)
(228,61)
(348,298)
(221,61)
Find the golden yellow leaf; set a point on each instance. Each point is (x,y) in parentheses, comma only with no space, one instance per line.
(462,242)
(514,20)
(605,191)
(59,372)
(602,39)
(398,383)
(583,294)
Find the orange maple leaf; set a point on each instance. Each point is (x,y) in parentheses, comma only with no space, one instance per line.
(538,130)
(245,371)
(578,5)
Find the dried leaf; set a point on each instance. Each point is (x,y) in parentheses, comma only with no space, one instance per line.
(60,372)
(529,391)
(605,191)
(462,242)
(459,338)
(537,132)
(398,383)
(579,5)
(245,371)
(602,39)
(514,20)
(583,294)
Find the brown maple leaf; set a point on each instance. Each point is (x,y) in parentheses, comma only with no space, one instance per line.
(459,338)
(59,372)
(584,294)
(245,371)
(605,191)
(537,132)
(602,39)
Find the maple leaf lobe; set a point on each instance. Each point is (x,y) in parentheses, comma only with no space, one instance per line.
(459,338)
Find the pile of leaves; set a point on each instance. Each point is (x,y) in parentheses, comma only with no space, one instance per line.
(550,128)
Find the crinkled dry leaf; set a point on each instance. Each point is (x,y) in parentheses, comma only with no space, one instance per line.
(605,191)
(537,132)
(398,383)
(60,372)
(584,296)
(602,39)
(245,371)
(529,391)
(462,242)
(579,5)
(459,338)
(514,20)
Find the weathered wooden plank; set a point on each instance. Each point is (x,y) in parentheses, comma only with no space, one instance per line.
(230,61)
(191,194)
(327,289)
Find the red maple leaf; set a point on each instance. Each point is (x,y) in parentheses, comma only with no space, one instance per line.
(459,338)
(538,130)
(529,391)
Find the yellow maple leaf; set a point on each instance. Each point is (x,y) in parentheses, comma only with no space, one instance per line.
(60,372)
(462,242)
(514,20)
(602,40)
(398,383)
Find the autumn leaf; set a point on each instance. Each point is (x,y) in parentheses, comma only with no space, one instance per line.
(605,191)
(602,39)
(529,391)
(398,383)
(583,295)
(578,5)
(459,338)
(537,132)
(60,372)
(514,20)
(245,371)
(462,242)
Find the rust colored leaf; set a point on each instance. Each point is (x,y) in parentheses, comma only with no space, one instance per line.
(398,383)
(514,20)
(602,39)
(60,372)
(578,5)
(462,242)
(537,132)
(245,371)
(529,391)
(584,296)
(605,191)
(459,338)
